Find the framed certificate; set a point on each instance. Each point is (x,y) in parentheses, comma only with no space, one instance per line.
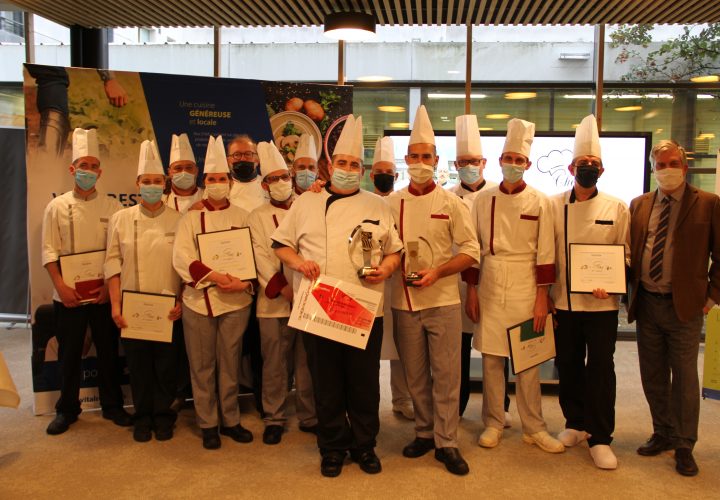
(228,251)
(529,348)
(597,266)
(83,272)
(146,315)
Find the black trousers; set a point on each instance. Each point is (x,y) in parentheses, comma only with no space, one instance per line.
(347,391)
(585,345)
(70,325)
(465,352)
(153,375)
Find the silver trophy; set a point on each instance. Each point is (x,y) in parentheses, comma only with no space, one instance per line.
(416,261)
(364,239)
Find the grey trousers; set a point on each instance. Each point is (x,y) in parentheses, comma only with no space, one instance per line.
(668,353)
(213,348)
(528,397)
(398,384)
(283,354)
(428,342)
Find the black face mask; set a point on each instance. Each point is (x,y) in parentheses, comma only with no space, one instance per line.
(384,182)
(244,171)
(587,177)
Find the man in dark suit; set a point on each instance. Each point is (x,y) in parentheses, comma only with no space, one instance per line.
(674,232)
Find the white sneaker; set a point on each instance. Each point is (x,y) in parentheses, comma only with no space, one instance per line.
(603,457)
(544,441)
(508,420)
(572,437)
(406,410)
(490,437)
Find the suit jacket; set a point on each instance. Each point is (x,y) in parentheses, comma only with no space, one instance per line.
(696,240)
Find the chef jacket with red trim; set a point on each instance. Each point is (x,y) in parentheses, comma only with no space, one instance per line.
(182,203)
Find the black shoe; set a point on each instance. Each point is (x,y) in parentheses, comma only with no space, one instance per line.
(655,445)
(332,464)
(418,447)
(60,423)
(273,434)
(164,433)
(311,429)
(237,433)
(367,460)
(142,434)
(119,417)
(211,439)
(685,463)
(453,461)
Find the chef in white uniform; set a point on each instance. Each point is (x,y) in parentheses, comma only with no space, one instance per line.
(76,222)
(428,315)
(246,191)
(282,348)
(139,258)
(383,175)
(515,229)
(312,239)
(183,172)
(587,324)
(304,166)
(216,307)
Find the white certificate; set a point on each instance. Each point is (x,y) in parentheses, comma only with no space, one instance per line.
(229,251)
(529,348)
(83,272)
(597,266)
(335,309)
(146,315)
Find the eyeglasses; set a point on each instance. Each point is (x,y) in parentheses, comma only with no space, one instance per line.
(247,155)
(272,179)
(585,164)
(474,162)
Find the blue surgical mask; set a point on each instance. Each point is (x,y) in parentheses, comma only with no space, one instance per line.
(345,180)
(151,193)
(85,179)
(183,180)
(512,173)
(304,179)
(469,174)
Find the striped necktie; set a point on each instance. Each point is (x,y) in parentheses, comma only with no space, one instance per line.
(656,260)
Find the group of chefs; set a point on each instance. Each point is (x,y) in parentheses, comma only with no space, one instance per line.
(455,266)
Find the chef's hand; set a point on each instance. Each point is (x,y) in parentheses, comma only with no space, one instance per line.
(472,305)
(309,269)
(287,292)
(600,293)
(379,274)
(175,312)
(540,312)
(102,295)
(69,296)
(115,93)
(429,277)
(117,318)
(234,285)
(317,186)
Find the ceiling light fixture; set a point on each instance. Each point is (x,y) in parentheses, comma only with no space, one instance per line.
(520,95)
(350,26)
(444,95)
(705,79)
(374,78)
(399,125)
(391,109)
(629,108)
(497,116)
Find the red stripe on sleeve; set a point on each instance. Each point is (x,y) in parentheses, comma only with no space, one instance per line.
(545,274)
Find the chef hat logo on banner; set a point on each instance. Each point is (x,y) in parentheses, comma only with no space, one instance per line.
(85,143)
(350,141)
(215,158)
(422,131)
(384,150)
(149,161)
(520,135)
(180,149)
(467,136)
(306,148)
(587,138)
(270,159)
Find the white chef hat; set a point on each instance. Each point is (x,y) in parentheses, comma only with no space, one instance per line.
(149,162)
(519,137)
(467,136)
(384,150)
(215,158)
(85,143)
(350,141)
(180,149)
(270,158)
(422,131)
(306,148)
(587,139)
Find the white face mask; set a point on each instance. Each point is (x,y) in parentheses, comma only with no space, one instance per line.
(281,190)
(420,173)
(512,173)
(217,191)
(669,179)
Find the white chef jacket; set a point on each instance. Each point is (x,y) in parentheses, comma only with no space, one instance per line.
(468,197)
(263,221)
(248,195)
(319,225)
(139,249)
(182,203)
(72,224)
(600,219)
(198,293)
(517,249)
(442,219)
